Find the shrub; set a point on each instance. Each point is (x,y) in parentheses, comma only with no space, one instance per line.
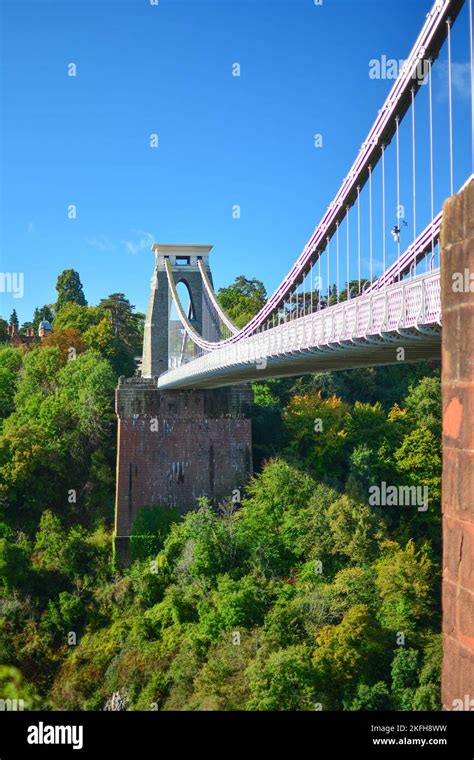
(149,530)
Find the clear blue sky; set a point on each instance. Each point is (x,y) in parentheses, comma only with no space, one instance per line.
(223,140)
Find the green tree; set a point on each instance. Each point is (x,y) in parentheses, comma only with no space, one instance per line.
(376,697)
(65,614)
(243,299)
(428,693)
(126,323)
(352,586)
(318,436)
(10,364)
(3,331)
(72,315)
(27,485)
(37,381)
(14,564)
(69,289)
(419,460)
(7,391)
(118,335)
(269,436)
(405,580)
(356,530)
(25,326)
(13,686)
(423,404)
(221,682)
(348,653)
(68,552)
(285,680)
(62,415)
(14,319)
(312,534)
(241,602)
(404,678)
(266,527)
(49,542)
(418,465)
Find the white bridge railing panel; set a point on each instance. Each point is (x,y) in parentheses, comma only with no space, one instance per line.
(411,306)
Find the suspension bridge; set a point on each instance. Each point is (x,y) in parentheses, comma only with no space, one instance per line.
(373,285)
(331,311)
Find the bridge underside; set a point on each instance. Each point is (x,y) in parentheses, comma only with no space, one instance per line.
(416,346)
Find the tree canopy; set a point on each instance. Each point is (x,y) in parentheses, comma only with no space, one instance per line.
(243,299)
(69,289)
(303,596)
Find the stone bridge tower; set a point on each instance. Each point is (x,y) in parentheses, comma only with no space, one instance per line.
(184,264)
(176,446)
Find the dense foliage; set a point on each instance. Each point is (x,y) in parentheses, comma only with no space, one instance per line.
(243,299)
(303,597)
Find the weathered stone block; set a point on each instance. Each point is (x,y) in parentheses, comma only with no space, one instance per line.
(458,483)
(458,552)
(458,415)
(458,675)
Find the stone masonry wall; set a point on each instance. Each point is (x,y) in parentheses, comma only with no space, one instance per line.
(457,300)
(175,446)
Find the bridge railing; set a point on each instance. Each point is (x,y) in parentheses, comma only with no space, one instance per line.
(401,312)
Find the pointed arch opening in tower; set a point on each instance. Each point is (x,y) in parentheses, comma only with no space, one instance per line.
(181,349)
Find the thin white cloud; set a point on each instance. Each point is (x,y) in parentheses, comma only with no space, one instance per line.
(100,242)
(143,241)
(460,79)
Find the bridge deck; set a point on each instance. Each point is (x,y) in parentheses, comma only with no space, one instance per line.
(364,331)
